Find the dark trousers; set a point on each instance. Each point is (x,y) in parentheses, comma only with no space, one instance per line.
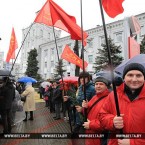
(41,96)
(6,120)
(52,106)
(31,115)
(57,109)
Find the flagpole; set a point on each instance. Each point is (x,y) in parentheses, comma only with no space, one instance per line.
(12,62)
(110,63)
(20,49)
(82,54)
(57,55)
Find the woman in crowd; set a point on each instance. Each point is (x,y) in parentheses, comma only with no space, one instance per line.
(29,104)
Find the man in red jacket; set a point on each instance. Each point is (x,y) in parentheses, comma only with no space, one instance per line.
(93,107)
(131,97)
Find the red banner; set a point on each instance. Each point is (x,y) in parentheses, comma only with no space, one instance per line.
(13,46)
(113,7)
(134,25)
(70,56)
(134,47)
(53,15)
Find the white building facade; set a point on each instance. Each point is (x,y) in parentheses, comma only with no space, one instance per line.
(1,60)
(41,37)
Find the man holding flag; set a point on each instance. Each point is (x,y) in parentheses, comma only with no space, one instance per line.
(131,97)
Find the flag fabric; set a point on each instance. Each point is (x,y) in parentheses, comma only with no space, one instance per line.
(133,47)
(71,57)
(53,15)
(113,7)
(12,47)
(134,25)
(13,55)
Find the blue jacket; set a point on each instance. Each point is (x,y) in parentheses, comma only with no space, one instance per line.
(90,92)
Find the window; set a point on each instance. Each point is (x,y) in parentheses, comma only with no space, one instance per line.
(80,45)
(60,49)
(45,53)
(45,64)
(118,37)
(52,51)
(142,31)
(102,40)
(90,58)
(52,63)
(90,42)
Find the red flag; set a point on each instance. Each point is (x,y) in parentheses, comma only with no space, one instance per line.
(134,47)
(53,15)
(113,7)
(70,56)
(134,25)
(13,55)
(13,46)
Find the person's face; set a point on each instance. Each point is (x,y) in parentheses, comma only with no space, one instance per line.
(100,87)
(134,79)
(82,80)
(54,85)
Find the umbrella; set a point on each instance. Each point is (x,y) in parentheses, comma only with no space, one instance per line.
(70,79)
(4,72)
(107,74)
(44,84)
(27,79)
(136,59)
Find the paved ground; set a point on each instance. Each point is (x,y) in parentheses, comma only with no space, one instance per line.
(43,123)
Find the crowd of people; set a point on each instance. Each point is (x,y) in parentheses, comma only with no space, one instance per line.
(11,94)
(95,110)
(89,106)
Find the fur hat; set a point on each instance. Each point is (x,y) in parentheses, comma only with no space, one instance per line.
(84,74)
(134,66)
(102,79)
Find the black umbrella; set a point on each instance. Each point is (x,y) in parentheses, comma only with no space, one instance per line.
(4,72)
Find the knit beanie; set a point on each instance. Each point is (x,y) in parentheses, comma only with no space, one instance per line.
(134,66)
(102,79)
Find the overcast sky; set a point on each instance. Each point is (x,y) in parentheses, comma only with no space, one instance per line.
(21,13)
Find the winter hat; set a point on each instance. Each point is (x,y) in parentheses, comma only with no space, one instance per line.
(84,74)
(58,82)
(134,66)
(102,79)
(118,81)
